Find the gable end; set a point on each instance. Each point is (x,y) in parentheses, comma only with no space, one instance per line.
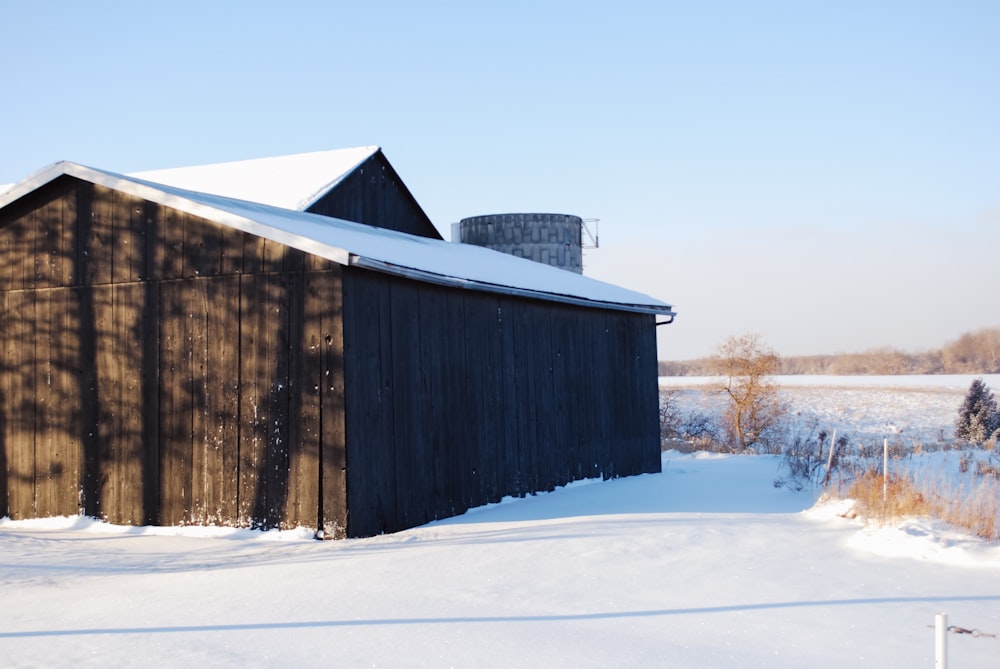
(373,194)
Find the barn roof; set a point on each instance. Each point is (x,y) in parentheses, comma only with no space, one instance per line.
(290,182)
(355,244)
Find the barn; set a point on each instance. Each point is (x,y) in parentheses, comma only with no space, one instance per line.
(311,355)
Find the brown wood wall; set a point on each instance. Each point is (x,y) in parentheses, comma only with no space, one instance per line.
(159,368)
(457,398)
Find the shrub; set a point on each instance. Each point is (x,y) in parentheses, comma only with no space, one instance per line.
(681,430)
(808,464)
(803,458)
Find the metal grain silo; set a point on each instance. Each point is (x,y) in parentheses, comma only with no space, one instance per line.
(552,239)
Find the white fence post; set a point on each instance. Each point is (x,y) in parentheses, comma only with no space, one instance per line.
(941,641)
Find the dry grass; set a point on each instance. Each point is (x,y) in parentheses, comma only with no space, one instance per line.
(977,510)
(903,498)
(973,506)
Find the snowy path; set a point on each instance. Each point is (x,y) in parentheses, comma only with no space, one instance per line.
(706,565)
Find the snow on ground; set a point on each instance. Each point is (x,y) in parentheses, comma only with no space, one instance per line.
(705,565)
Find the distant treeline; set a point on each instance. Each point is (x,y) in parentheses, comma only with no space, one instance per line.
(973,353)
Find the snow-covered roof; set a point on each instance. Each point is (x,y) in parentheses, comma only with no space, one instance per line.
(358,245)
(289,182)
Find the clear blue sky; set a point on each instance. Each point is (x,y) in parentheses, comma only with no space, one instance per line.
(826,174)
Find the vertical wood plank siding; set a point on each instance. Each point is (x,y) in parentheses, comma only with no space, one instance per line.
(456,399)
(159,368)
(375,195)
(154,364)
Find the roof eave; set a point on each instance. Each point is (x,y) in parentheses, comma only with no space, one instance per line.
(174,198)
(483,286)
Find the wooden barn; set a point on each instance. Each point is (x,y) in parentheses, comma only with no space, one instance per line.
(174,356)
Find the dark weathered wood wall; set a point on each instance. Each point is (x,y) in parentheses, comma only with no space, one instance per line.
(375,195)
(159,368)
(458,398)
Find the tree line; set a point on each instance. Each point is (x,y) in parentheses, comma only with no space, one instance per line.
(975,352)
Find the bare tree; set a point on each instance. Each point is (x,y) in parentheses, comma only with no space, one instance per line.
(745,365)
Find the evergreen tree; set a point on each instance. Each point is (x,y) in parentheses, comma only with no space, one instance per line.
(979,417)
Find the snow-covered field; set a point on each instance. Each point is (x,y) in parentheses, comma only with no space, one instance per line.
(911,409)
(705,565)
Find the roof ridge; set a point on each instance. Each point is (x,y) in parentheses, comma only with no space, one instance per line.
(357,244)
